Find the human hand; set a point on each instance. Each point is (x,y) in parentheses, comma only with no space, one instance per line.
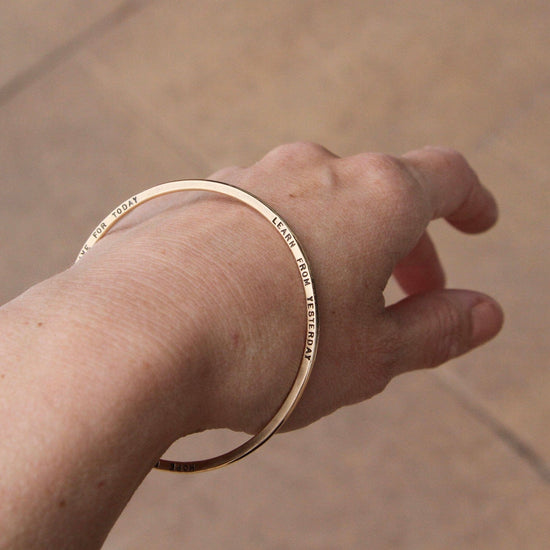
(360,219)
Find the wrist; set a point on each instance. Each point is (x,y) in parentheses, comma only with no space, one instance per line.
(83,405)
(95,354)
(216,293)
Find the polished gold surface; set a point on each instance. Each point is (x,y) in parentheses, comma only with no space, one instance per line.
(311,317)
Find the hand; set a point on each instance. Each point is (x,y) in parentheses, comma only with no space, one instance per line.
(360,219)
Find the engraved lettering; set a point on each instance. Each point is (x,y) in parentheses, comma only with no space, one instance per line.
(284,231)
(303,270)
(179,467)
(310,338)
(99,230)
(290,240)
(124,207)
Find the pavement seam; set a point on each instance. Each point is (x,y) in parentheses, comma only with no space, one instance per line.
(474,405)
(68,49)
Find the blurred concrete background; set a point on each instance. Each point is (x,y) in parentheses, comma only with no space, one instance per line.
(99,100)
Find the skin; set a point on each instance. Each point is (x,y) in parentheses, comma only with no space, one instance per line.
(189,315)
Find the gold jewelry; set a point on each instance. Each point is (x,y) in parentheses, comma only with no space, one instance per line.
(312,319)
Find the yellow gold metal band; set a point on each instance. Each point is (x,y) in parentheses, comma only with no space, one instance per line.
(311,320)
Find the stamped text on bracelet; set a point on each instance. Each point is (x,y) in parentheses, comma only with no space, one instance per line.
(311,338)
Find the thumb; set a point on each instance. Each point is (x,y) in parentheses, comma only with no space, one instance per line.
(439,325)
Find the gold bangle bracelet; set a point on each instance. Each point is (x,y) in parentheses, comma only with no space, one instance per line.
(311,320)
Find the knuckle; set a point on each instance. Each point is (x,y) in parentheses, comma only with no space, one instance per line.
(406,197)
(387,177)
(298,151)
(382,350)
(226,174)
(446,155)
(390,350)
(371,165)
(383,164)
(451,332)
(453,156)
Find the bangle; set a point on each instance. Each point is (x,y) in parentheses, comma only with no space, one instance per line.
(311,320)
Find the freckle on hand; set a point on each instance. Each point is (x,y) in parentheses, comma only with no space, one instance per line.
(235,338)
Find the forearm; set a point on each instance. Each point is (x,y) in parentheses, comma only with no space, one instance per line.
(105,365)
(84,416)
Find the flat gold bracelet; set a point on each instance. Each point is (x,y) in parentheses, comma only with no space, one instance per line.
(312,318)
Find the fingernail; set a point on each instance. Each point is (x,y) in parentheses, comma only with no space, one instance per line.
(486,318)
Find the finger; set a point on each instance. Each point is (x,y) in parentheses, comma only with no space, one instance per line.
(442,324)
(420,271)
(453,188)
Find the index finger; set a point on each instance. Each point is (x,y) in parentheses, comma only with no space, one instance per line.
(453,187)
